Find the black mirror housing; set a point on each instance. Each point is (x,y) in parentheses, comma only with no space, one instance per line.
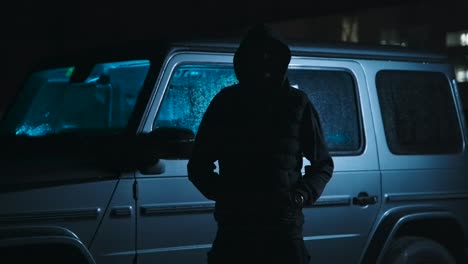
(171,142)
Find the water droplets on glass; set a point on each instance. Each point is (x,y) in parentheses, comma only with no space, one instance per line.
(191,89)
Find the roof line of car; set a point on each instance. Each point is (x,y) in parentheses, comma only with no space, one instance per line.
(151,49)
(333,50)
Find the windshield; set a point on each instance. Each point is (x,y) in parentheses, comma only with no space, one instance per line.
(50,104)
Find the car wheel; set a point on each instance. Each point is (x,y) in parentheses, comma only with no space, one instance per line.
(417,250)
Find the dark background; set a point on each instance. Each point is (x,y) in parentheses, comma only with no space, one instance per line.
(33,31)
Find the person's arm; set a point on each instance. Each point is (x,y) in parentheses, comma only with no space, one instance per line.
(201,165)
(314,148)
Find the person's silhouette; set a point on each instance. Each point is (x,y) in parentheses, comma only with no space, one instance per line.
(259,131)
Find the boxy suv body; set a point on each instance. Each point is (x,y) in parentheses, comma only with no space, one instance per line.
(392,119)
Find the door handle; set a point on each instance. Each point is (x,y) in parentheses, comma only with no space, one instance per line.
(364,199)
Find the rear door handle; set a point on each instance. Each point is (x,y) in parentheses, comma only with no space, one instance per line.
(364,199)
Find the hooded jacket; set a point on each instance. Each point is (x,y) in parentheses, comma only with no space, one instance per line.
(259,131)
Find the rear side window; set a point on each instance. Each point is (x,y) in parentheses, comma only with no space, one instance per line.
(418,112)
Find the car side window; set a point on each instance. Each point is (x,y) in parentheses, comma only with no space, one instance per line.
(333,92)
(418,112)
(190,91)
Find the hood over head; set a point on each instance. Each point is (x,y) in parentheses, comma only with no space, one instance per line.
(262,59)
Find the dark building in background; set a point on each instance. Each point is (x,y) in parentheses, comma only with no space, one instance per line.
(439,26)
(435,26)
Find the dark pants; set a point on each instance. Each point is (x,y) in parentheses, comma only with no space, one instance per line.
(256,245)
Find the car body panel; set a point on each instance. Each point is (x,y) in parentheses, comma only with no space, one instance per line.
(173,226)
(162,218)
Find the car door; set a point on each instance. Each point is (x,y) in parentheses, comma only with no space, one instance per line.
(175,222)
(342,218)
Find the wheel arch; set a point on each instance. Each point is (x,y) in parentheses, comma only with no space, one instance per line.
(45,237)
(414,220)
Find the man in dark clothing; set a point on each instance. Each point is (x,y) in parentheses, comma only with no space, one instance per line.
(259,131)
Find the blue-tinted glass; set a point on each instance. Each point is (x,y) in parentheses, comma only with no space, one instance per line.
(190,91)
(192,87)
(333,93)
(50,104)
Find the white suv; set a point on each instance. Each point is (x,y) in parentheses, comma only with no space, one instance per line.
(95,148)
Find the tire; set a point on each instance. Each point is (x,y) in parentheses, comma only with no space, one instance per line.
(417,250)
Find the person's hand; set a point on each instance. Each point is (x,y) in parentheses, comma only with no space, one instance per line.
(297,199)
(292,199)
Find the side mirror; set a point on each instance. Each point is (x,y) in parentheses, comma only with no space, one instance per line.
(145,151)
(171,142)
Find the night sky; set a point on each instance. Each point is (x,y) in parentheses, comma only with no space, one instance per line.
(35,30)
